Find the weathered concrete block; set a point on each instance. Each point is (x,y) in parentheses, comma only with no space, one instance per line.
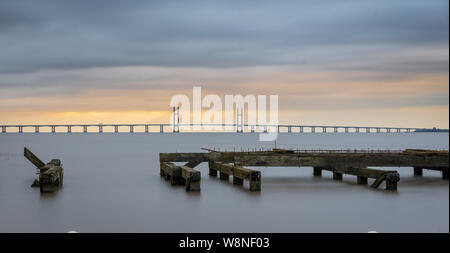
(223,176)
(337,176)
(445,174)
(317,172)
(191,178)
(362,180)
(391,181)
(418,171)
(238,181)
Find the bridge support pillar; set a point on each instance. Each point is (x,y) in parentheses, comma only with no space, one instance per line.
(36,129)
(367,130)
(361,180)
(313,129)
(252,129)
(53,129)
(418,171)
(116,129)
(337,176)
(289,129)
(146,128)
(388,130)
(378,130)
(161,128)
(335,130)
(69,129)
(3,129)
(131,129)
(357,130)
(346,130)
(100,129)
(20,129)
(301,130)
(265,129)
(317,171)
(85,129)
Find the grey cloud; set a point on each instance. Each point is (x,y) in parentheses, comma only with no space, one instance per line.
(39,35)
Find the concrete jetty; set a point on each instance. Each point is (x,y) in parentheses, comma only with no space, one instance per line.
(339,162)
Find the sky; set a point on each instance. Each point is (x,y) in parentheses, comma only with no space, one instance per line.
(367,63)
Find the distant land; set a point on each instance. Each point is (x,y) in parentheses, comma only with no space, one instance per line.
(434,129)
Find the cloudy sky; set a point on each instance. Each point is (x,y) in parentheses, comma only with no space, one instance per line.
(330,62)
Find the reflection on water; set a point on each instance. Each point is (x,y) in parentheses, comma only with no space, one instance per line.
(112,184)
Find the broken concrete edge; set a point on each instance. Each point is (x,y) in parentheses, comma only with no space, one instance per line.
(352,163)
(51,175)
(238,172)
(181,175)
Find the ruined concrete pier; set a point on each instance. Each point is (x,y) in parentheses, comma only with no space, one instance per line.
(339,162)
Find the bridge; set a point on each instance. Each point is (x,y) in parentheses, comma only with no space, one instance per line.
(177,128)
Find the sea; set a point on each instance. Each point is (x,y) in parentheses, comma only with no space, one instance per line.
(112,184)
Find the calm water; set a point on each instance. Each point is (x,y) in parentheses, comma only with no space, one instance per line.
(112,184)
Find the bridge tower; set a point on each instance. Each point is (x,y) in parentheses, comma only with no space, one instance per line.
(176,119)
(239,120)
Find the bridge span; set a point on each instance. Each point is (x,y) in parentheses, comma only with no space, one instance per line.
(177,128)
